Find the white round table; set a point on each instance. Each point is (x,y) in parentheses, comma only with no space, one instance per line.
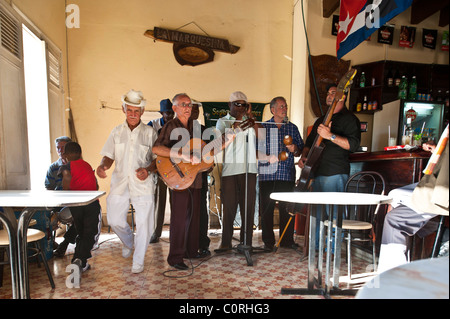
(327,198)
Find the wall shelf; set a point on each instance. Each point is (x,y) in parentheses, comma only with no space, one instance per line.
(431,79)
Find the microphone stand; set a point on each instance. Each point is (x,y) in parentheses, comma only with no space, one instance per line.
(244,248)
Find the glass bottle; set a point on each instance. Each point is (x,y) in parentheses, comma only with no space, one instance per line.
(390,79)
(374,105)
(364,106)
(362,80)
(413,88)
(397,78)
(403,88)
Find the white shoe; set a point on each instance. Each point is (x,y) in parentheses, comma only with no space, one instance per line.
(137,268)
(126,252)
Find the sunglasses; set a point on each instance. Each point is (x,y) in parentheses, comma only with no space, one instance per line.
(237,104)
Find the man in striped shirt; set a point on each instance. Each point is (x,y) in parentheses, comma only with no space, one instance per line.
(277,170)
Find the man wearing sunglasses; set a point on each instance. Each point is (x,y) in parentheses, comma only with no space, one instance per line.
(239,170)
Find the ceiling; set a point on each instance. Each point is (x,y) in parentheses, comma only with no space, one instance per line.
(420,10)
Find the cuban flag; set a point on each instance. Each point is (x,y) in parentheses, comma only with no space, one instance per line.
(358,19)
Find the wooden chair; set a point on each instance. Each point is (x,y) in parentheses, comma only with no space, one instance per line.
(359,220)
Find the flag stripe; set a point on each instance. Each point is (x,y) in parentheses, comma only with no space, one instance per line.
(364,18)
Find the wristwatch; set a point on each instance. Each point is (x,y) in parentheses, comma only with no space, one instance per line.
(333,137)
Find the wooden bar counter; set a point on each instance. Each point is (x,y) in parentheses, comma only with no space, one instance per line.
(399,168)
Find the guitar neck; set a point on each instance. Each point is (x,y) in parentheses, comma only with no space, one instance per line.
(326,121)
(219,143)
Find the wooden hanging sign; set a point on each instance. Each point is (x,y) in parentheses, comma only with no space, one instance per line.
(192,49)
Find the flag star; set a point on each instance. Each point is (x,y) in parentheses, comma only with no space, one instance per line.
(343,25)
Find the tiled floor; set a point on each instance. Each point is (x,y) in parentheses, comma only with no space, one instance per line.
(223,276)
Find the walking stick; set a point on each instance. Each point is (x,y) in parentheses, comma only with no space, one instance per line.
(285,228)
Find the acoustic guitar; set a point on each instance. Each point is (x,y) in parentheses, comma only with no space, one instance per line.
(179,175)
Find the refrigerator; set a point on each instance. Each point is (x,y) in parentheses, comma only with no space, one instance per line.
(426,118)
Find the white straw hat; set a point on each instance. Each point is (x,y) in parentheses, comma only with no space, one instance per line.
(134,98)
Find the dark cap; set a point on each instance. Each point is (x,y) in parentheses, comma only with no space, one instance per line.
(165,105)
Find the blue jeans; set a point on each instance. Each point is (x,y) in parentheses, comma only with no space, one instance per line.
(333,183)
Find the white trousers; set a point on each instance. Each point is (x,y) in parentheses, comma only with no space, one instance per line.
(391,256)
(144,217)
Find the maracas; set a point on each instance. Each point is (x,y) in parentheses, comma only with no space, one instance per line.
(287,140)
(283,154)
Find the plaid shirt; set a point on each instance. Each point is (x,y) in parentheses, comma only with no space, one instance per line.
(273,145)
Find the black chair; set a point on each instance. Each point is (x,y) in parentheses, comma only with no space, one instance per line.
(359,220)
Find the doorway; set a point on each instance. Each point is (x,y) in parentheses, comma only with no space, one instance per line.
(37,106)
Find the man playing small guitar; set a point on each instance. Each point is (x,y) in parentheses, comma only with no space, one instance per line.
(184,218)
(341,137)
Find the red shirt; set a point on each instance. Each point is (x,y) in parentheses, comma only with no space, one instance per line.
(83,177)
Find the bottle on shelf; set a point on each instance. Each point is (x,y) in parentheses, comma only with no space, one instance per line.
(390,79)
(358,107)
(364,106)
(413,88)
(403,88)
(362,80)
(439,96)
(374,105)
(397,78)
(369,106)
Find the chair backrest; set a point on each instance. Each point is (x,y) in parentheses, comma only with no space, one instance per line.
(368,182)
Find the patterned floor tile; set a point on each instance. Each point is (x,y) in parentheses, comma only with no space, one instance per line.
(221,276)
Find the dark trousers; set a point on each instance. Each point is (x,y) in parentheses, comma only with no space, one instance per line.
(184,225)
(401,223)
(266,208)
(204,218)
(232,195)
(160,200)
(71,234)
(86,222)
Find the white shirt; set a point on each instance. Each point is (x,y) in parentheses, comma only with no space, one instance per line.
(234,154)
(130,150)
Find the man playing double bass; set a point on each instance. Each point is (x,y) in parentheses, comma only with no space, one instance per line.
(340,138)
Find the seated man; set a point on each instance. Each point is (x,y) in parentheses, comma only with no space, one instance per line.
(414,207)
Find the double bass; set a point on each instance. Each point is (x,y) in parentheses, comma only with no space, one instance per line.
(317,148)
